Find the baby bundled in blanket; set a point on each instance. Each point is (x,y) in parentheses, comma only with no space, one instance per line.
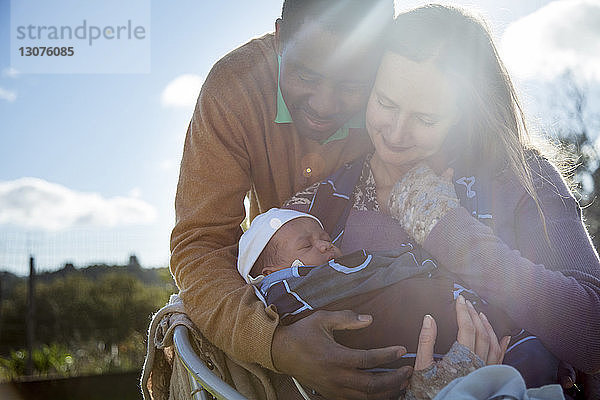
(293,265)
(290,260)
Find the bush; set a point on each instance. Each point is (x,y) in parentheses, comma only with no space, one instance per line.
(83,326)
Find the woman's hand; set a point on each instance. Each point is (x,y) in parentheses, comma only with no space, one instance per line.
(476,333)
(420,199)
(476,345)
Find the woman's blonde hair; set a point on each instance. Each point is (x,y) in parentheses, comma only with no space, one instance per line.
(492,131)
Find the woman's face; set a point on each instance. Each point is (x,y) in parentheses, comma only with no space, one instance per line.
(411,109)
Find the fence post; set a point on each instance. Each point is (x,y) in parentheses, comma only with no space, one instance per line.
(30,315)
(1,297)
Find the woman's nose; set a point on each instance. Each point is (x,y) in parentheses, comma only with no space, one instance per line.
(399,129)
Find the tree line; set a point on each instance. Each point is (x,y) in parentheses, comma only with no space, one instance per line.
(92,320)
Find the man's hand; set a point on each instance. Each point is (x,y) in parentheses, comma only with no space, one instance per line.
(307,351)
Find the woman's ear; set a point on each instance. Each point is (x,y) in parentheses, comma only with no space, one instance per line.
(457,118)
(457,115)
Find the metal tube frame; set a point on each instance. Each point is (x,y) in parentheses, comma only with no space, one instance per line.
(204,384)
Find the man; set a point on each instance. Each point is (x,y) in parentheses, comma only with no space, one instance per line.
(274,116)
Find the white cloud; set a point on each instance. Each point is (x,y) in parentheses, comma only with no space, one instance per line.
(562,35)
(136,192)
(182,91)
(7,95)
(10,72)
(168,165)
(37,204)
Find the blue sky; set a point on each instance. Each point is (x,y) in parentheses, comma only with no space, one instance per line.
(113,141)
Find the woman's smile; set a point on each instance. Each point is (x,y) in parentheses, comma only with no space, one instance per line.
(395,147)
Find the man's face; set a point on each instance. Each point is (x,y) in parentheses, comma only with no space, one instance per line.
(324,81)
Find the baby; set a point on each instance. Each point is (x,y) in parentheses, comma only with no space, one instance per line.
(293,265)
(290,260)
(280,239)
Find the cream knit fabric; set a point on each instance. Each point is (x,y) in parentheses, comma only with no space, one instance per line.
(420,199)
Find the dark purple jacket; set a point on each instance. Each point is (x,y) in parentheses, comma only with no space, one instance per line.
(551,287)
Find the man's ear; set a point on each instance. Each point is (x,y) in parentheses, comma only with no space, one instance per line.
(278,44)
(269,269)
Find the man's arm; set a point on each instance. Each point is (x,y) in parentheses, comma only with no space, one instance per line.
(214,178)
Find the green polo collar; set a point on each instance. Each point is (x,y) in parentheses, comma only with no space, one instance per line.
(284,116)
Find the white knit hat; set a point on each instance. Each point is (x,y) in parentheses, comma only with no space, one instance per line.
(261,230)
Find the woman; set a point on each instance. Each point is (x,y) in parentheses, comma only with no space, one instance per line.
(506,225)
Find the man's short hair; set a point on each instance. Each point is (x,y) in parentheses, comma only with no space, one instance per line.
(339,16)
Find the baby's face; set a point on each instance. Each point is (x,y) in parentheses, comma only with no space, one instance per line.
(303,239)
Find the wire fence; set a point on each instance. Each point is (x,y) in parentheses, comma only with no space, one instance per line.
(52,250)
